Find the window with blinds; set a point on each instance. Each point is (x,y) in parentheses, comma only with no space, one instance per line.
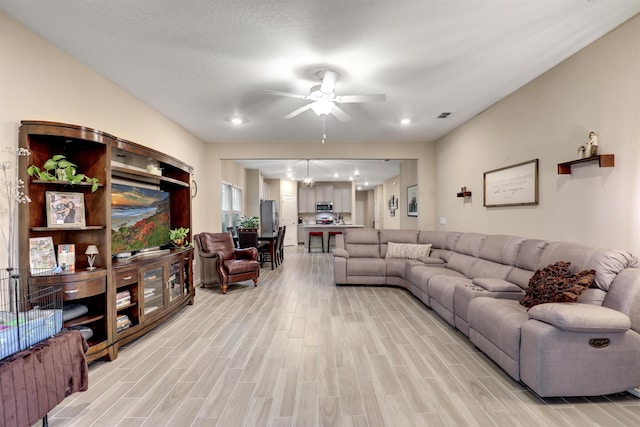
(231,204)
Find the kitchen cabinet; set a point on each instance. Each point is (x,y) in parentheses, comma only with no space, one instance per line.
(307,200)
(324,193)
(342,200)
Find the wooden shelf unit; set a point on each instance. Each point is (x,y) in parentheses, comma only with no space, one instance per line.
(464,194)
(93,151)
(604,161)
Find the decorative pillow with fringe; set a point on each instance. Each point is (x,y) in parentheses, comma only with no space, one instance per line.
(556,283)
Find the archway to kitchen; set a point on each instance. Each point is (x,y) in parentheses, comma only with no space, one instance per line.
(417,169)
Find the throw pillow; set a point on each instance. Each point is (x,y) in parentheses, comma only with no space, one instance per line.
(408,251)
(556,283)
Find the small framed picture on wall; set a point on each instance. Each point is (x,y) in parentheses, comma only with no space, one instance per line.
(412,200)
(65,210)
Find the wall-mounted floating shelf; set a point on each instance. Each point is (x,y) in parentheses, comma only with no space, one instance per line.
(604,161)
(464,194)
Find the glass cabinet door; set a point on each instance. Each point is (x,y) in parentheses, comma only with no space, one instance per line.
(175,281)
(152,281)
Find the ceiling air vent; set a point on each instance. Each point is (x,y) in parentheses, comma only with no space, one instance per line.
(444,115)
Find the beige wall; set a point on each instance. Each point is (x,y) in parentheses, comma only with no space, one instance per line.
(596,89)
(40,82)
(408,177)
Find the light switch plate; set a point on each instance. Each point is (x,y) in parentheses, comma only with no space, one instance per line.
(443,221)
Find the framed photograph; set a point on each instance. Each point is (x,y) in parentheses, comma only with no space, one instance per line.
(412,200)
(515,185)
(65,210)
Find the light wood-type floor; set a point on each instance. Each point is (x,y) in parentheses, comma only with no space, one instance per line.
(299,351)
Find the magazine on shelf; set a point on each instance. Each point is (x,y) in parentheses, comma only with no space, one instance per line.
(67,257)
(42,258)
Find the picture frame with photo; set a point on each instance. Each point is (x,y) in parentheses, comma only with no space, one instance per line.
(412,200)
(65,210)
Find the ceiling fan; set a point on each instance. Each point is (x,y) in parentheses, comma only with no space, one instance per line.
(324,98)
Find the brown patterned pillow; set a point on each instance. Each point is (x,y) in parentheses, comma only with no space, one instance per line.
(556,283)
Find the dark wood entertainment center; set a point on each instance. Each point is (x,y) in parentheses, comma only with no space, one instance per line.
(159,285)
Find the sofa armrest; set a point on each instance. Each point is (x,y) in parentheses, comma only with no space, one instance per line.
(341,253)
(576,317)
(496,285)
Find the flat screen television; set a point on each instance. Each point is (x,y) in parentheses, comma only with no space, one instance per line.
(139,217)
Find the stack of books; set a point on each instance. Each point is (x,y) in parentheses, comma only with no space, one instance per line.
(148,293)
(123,322)
(123,299)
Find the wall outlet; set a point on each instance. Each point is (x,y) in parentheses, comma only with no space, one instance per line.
(443,221)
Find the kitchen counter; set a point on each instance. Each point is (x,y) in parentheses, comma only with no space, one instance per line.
(305,228)
(328,226)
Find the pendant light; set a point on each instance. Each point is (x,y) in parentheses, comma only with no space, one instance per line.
(308,181)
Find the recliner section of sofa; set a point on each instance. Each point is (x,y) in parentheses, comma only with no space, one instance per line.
(475,281)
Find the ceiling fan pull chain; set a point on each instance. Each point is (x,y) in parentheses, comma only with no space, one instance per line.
(324,132)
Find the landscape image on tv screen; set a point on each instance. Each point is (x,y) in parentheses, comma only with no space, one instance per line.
(139,218)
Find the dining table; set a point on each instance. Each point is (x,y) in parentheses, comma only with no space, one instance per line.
(269,237)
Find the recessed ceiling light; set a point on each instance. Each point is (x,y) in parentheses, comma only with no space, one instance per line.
(359,188)
(335,175)
(405,121)
(350,178)
(237,120)
(366,183)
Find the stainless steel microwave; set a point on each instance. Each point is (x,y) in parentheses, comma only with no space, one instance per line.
(324,206)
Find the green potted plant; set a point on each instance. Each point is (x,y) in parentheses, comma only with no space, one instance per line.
(178,237)
(249,223)
(60,169)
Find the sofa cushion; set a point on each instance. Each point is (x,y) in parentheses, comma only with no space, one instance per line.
(581,317)
(529,254)
(412,251)
(484,268)
(362,243)
(396,236)
(439,239)
(607,262)
(501,249)
(469,244)
(556,283)
(461,263)
(366,267)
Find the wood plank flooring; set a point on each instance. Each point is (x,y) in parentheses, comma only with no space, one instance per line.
(299,351)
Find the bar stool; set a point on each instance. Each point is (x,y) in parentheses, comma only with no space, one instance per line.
(332,234)
(316,234)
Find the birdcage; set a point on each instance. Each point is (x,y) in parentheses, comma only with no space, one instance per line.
(30,308)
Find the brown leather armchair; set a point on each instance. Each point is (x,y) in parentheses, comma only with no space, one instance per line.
(221,263)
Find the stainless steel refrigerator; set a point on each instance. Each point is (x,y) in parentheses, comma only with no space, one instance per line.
(268,216)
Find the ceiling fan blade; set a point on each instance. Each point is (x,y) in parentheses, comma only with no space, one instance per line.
(298,111)
(340,114)
(289,94)
(344,99)
(329,81)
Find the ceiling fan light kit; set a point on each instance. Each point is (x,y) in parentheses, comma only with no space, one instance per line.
(324,98)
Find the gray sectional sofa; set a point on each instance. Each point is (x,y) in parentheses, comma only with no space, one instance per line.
(475,281)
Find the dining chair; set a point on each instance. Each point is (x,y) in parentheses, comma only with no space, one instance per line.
(247,239)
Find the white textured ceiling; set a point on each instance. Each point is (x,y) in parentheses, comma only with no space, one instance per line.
(202,62)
